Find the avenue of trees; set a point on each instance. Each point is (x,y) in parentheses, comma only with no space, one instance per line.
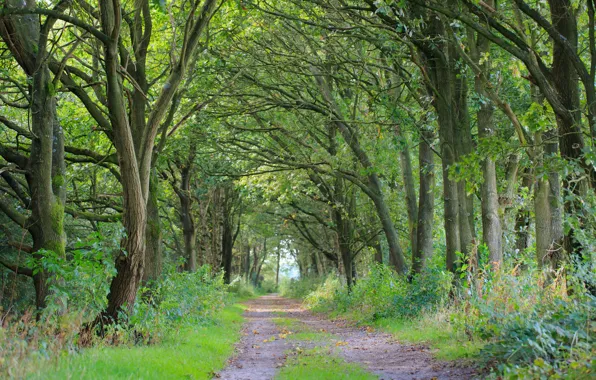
(337,132)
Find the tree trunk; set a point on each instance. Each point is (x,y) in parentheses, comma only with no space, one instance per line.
(571,142)
(448,159)
(426,202)
(46,179)
(543,220)
(373,188)
(522,219)
(131,260)
(441,87)
(45,168)
(408,178)
(344,228)
(378,250)
(247,273)
(154,253)
(227,243)
(463,146)
(491,222)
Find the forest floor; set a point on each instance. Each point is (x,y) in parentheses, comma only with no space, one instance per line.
(282,340)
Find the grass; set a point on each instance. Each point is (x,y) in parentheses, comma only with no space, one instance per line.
(288,323)
(300,331)
(191,353)
(310,336)
(439,334)
(321,364)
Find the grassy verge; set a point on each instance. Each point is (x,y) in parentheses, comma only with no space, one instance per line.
(321,364)
(432,329)
(190,353)
(439,335)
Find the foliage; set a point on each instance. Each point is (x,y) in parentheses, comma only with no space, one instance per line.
(80,281)
(241,288)
(191,352)
(178,304)
(383,293)
(530,327)
(179,299)
(26,342)
(300,288)
(520,326)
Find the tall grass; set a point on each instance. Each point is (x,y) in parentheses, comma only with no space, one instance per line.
(516,322)
(171,305)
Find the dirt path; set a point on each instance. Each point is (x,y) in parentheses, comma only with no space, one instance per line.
(267,341)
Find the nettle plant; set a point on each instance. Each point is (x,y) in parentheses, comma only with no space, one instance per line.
(79,281)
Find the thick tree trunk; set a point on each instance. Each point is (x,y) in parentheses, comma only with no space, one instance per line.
(45,168)
(131,261)
(463,146)
(491,222)
(154,253)
(426,202)
(443,105)
(571,142)
(441,85)
(408,177)
(492,233)
(46,179)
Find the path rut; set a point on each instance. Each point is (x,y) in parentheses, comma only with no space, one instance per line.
(263,349)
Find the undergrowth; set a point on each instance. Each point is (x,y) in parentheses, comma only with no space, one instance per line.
(195,352)
(516,323)
(164,309)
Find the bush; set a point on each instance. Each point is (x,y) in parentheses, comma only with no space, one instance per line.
(241,288)
(177,300)
(300,288)
(381,294)
(327,296)
(552,338)
(267,286)
(180,298)
(529,330)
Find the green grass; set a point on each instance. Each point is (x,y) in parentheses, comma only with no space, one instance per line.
(288,323)
(438,334)
(310,336)
(191,353)
(320,364)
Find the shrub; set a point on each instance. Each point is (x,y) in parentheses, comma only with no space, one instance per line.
(327,296)
(382,293)
(179,298)
(300,288)
(531,330)
(241,288)
(267,286)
